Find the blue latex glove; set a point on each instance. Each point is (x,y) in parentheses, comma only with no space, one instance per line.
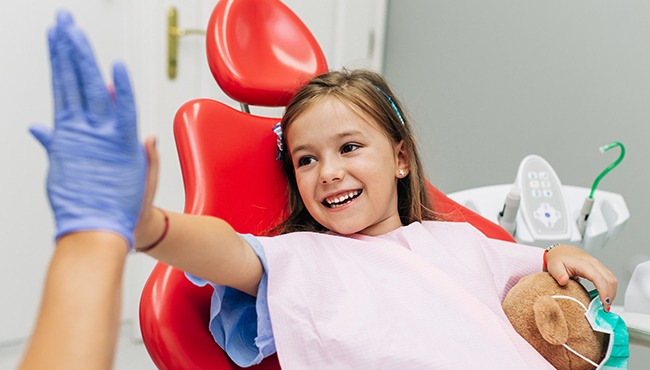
(97,172)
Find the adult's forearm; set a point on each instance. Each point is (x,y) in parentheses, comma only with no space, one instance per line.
(78,323)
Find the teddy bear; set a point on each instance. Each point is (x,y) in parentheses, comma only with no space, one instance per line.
(547,323)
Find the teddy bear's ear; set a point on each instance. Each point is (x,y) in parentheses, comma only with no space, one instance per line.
(550,320)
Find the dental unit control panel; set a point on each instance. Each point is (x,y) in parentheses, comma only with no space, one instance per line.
(539,210)
(542,203)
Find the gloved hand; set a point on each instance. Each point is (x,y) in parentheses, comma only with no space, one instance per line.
(97,172)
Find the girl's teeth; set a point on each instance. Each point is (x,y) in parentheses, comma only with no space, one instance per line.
(342,198)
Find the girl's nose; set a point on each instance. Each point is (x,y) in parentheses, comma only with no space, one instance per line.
(331,171)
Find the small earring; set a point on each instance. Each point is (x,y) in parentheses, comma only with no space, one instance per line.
(401,172)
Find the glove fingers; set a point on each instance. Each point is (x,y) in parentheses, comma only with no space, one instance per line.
(42,134)
(125,103)
(57,88)
(64,18)
(67,82)
(94,93)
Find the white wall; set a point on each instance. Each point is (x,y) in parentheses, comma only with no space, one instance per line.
(489,82)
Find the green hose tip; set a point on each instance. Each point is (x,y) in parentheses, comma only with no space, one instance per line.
(603,149)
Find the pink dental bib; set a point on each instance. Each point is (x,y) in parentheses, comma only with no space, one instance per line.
(421,297)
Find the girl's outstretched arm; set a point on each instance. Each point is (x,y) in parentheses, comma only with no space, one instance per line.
(564,262)
(206,247)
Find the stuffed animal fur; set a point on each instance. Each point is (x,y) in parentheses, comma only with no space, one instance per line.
(547,323)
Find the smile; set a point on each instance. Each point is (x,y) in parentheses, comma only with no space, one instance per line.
(341,199)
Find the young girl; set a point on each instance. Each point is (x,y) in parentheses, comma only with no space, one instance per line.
(362,276)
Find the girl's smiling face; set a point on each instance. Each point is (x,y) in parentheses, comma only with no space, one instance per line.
(346,169)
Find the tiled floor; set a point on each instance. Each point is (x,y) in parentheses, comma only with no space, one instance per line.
(131,354)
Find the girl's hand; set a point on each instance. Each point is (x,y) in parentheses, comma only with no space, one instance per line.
(146,229)
(564,262)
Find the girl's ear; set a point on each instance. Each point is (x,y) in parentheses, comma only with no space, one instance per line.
(402,160)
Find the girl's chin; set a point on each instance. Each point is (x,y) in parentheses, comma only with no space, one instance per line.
(344,229)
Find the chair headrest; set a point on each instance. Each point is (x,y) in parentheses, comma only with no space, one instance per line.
(260,52)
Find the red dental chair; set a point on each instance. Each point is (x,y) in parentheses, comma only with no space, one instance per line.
(229,168)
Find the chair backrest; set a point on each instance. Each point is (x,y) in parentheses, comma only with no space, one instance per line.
(229,170)
(259,51)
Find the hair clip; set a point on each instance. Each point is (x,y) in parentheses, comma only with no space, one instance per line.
(278,131)
(392,103)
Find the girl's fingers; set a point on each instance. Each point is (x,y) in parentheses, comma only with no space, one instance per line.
(603,279)
(146,214)
(558,271)
(152,171)
(568,262)
(151,181)
(606,284)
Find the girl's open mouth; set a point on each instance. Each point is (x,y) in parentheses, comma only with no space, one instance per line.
(341,199)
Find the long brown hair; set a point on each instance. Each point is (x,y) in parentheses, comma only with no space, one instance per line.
(368,92)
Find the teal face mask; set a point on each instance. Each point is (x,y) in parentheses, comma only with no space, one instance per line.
(618,348)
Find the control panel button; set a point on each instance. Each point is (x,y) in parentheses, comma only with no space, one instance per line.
(547,215)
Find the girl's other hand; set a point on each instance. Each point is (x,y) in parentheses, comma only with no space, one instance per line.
(564,262)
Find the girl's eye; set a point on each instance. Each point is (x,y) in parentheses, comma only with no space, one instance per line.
(349,148)
(305,161)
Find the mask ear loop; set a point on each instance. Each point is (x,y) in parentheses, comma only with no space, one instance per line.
(579,355)
(565,345)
